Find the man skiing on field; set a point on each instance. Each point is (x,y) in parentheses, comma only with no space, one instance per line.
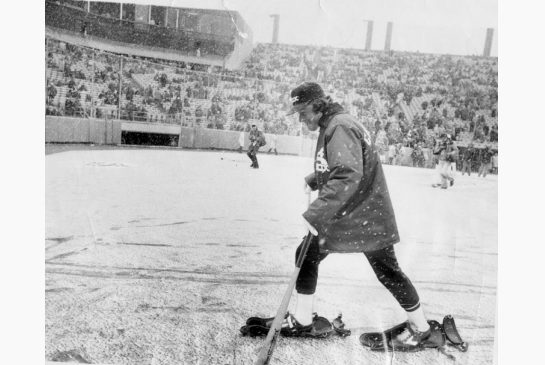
(353,211)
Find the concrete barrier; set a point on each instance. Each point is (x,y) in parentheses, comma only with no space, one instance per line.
(216,138)
(100,131)
(79,130)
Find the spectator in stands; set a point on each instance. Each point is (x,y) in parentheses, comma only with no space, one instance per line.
(83,29)
(72,93)
(198,114)
(210,122)
(72,107)
(176,106)
(215,109)
(458,92)
(51,93)
(131,109)
(51,111)
(71,83)
(494,134)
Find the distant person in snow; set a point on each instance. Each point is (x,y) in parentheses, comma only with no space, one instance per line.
(485,161)
(272,145)
(241,137)
(392,152)
(447,153)
(257,140)
(467,159)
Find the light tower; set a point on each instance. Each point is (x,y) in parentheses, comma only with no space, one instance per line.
(388,43)
(369,35)
(276,18)
(488,42)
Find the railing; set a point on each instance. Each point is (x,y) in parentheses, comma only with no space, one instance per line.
(89,24)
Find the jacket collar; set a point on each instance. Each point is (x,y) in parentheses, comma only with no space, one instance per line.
(333,110)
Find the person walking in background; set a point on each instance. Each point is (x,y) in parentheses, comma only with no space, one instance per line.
(381,141)
(485,159)
(467,159)
(438,161)
(398,154)
(272,145)
(241,137)
(495,163)
(257,140)
(452,158)
(417,156)
(446,151)
(392,153)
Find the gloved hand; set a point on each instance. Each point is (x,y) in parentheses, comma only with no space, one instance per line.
(307,188)
(310,228)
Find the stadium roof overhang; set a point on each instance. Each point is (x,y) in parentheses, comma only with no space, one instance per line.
(194,4)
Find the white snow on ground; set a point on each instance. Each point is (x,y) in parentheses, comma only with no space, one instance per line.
(159,256)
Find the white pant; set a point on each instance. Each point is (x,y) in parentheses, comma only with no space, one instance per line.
(446,172)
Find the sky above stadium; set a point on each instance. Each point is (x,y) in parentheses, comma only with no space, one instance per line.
(429,26)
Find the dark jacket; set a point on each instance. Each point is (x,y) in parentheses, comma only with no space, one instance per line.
(469,154)
(486,156)
(452,152)
(353,211)
(258,137)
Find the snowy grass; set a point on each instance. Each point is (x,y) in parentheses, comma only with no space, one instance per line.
(159,256)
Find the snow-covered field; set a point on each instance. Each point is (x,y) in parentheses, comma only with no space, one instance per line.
(159,256)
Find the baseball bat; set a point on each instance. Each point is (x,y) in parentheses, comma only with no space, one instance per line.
(267,349)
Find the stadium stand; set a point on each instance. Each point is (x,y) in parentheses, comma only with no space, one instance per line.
(404,99)
(448,94)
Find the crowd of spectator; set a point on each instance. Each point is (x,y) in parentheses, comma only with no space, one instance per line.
(406,99)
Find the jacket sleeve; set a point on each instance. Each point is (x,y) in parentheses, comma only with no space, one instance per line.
(345,161)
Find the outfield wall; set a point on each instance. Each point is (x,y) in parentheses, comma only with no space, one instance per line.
(100,131)
(79,130)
